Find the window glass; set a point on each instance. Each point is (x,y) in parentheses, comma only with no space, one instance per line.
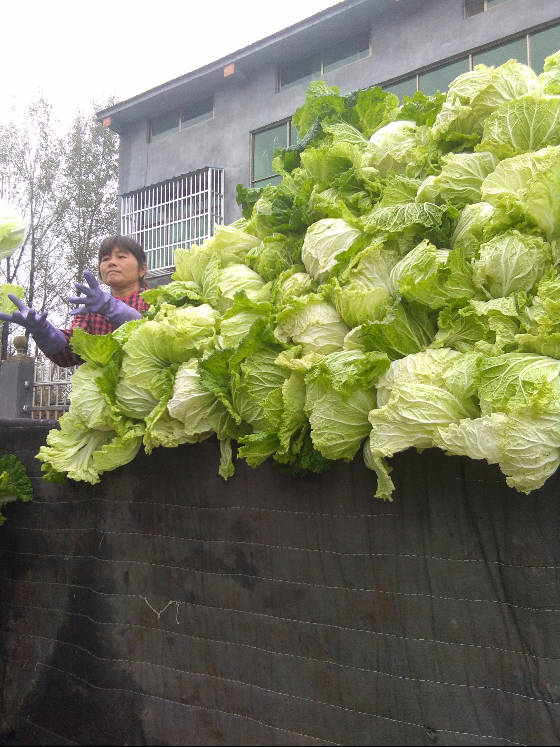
(271,180)
(439,79)
(542,44)
(197,113)
(165,124)
(491,3)
(345,52)
(516,49)
(264,145)
(403,87)
(303,70)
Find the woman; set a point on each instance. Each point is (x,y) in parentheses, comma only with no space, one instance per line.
(122,266)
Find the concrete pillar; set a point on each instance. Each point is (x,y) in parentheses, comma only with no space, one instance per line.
(16,383)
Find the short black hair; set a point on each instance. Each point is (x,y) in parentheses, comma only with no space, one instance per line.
(123,242)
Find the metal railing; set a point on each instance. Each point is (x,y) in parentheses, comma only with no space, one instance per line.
(175,213)
(51,390)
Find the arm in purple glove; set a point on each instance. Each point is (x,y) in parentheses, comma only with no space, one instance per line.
(48,338)
(96,300)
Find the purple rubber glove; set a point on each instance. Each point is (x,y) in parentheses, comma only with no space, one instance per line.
(96,300)
(48,338)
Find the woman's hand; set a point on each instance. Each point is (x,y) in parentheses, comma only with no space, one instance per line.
(95,299)
(48,338)
(26,316)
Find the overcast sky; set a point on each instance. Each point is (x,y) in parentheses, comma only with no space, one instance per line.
(79,51)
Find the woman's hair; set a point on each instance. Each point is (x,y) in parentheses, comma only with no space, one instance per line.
(123,242)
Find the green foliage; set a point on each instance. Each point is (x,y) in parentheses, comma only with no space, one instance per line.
(6,305)
(422,109)
(12,230)
(14,482)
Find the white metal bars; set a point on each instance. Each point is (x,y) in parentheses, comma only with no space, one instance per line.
(51,390)
(172,214)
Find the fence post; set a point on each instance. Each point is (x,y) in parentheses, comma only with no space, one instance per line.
(16,382)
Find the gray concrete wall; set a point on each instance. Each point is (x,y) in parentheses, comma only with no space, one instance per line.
(413,35)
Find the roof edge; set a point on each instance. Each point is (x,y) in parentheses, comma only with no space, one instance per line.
(236,56)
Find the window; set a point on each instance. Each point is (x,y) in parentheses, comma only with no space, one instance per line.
(530,49)
(164,125)
(440,78)
(346,52)
(264,143)
(179,120)
(315,66)
(405,87)
(516,49)
(541,45)
(197,113)
(472,7)
(298,72)
(175,213)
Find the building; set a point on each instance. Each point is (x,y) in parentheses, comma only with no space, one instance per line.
(186,144)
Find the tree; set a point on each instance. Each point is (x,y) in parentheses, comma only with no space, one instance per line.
(31,157)
(90,178)
(66,188)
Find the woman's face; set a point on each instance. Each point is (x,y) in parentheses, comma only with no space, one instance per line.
(120,269)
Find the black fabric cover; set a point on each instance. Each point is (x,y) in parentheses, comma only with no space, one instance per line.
(166,606)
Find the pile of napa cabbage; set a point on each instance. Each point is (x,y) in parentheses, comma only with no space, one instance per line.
(12,234)
(12,229)
(398,288)
(15,483)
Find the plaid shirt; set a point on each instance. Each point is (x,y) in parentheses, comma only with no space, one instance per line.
(94,324)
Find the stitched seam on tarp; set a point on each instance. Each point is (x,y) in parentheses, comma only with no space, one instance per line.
(289,547)
(186,705)
(260,687)
(297,621)
(221,508)
(267,579)
(250,718)
(44,728)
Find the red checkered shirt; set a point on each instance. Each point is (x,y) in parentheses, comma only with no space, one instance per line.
(95,324)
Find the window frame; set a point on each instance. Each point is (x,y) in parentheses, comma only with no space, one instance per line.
(468,12)
(486,8)
(321,54)
(161,135)
(179,116)
(472,53)
(189,123)
(503,42)
(464,58)
(287,121)
(537,30)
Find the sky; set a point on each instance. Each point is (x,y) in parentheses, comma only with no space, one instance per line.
(78,52)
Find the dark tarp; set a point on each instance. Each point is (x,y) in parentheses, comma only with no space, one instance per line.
(165,606)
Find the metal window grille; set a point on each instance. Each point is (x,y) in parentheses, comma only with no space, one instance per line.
(51,390)
(173,214)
